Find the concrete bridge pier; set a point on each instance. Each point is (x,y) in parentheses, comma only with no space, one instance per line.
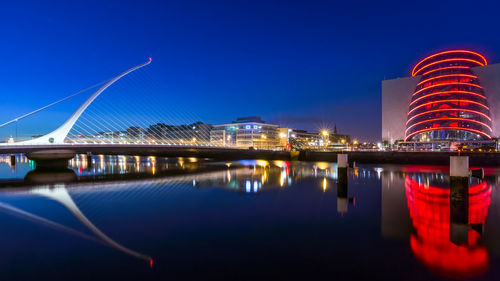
(342,166)
(89,161)
(13,160)
(51,159)
(459,199)
(343,199)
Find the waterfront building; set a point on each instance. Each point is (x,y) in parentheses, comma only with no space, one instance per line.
(451,97)
(197,132)
(246,132)
(284,134)
(337,138)
(301,139)
(135,132)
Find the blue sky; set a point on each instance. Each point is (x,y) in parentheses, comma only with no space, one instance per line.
(308,64)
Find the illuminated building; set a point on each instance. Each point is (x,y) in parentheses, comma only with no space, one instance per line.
(451,96)
(198,130)
(448,102)
(253,132)
(302,139)
(246,132)
(284,134)
(337,138)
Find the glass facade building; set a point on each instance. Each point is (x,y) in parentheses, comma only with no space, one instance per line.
(246,132)
(448,102)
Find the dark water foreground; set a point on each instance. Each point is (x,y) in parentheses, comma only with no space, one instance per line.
(133,218)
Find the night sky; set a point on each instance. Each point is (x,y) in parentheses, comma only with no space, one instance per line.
(303,64)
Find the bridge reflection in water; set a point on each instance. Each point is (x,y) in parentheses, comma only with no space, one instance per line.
(248,177)
(416,205)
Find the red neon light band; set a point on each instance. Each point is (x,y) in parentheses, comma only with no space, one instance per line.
(448,75)
(448,67)
(446,84)
(449,118)
(440,61)
(441,101)
(449,109)
(448,92)
(448,52)
(448,128)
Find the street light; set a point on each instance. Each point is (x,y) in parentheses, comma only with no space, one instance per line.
(325,137)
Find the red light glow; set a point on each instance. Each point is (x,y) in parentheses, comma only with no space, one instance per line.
(448,128)
(449,118)
(413,72)
(442,101)
(446,60)
(447,75)
(446,93)
(449,109)
(429,209)
(445,68)
(445,84)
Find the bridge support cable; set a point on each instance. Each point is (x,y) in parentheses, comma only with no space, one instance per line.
(104,117)
(58,136)
(46,222)
(129,114)
(174,115)
(154,113)
(52,104)
(61,195)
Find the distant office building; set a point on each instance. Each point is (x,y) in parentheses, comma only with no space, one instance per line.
(135,132)
(336,138)
(246,132)
(302,139)
(451,96)
(284,134)
(198,132)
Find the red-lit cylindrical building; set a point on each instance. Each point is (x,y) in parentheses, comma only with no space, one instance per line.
(448,103)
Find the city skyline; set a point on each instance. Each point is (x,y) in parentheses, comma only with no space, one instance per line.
(249,140)
(308,67)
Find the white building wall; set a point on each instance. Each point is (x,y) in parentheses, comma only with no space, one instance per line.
(489,78)
(396,97)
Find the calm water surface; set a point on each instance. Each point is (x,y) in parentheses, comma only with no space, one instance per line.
(133,218)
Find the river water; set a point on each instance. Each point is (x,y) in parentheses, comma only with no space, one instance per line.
(146,218)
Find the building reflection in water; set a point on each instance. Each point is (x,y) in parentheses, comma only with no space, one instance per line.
(446,233)
(248,177)
(12,160)
(432,241)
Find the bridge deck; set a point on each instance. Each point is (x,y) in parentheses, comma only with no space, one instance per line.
(227,153)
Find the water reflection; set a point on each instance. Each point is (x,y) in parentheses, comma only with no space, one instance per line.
(446,233)
(249,177)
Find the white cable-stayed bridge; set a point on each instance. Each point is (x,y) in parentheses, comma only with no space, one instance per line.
(132,129)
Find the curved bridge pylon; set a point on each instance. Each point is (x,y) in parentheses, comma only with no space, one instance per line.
(59,135)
